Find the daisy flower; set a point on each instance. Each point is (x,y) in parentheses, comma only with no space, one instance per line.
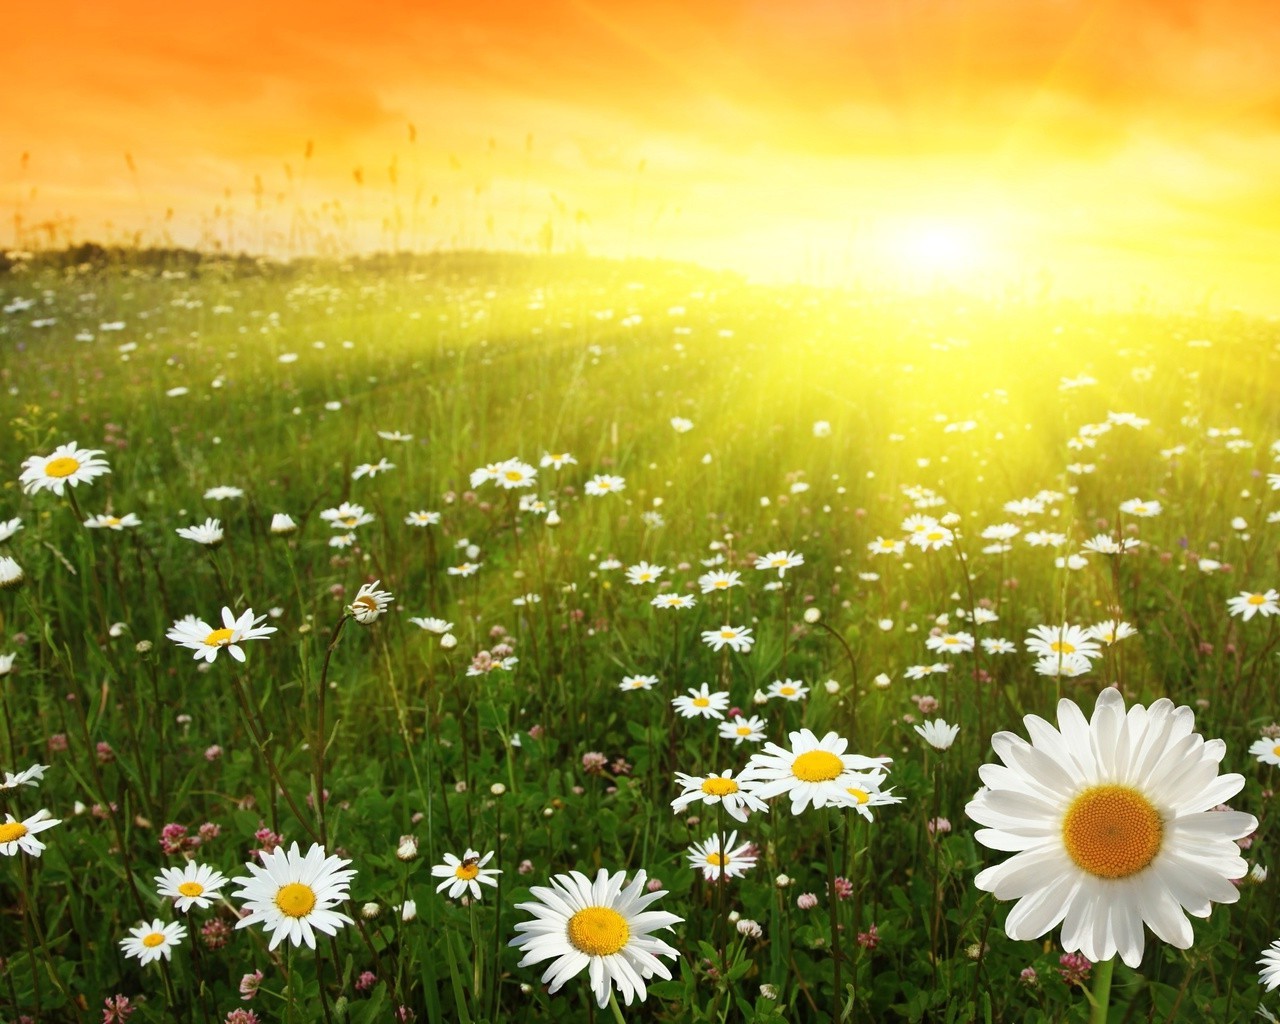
(346,511)
(222,493)
(1138,507)
(370,602)
(343,540)
(371,469)
(643,572)
(673,601)
(1265,750)
(604,484)
(557,461)
(394,435)
(788,689)
(465,569)
(600,926)
(862,792)
(1061,641)
(1068,666)
(11,574)
(735,797)
(422,518)
(513,474)
(21,835)
(192,885)
(292,896)
(66,465)
(8,527)
(717,858)
(432,625)
(1270,962)
(206,641)
(743,730)
(282,523)
(1248,605)
(681,425)
(998,645)
(951,643)
(465,875)
(1110,631)
(1104,544)
(117,523)
(813,771)
(638,682)
(27,777)
(887,546)
(934,538)
(738,638)
(702,703)
(710,582)
(209,533)
(350,522)
(780,560)
(938,734)
(1112,825)
(152,941)
(6,663)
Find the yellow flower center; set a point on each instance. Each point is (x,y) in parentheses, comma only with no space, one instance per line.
(933,535)
(13,831)
(861,795)
(153,940)
(218,638)
(744,730)
(296,899)
(110,521)
(715,860)
(721,584)
(1112,831)
(367,601)
(888,545)
(787,691)
(467,870)
(1257,598)
(728,634)
(350,521)
(1062,647)
(720,787)
(63,466)
(514,474)
(191,889)
(817,766)
(598,931)
(701,702)
(950,640)
(1276,750)
(778,561)
(604,485)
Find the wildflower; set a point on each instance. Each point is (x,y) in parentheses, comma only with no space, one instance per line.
(780,560)
(673,601)
(439,626)
(1269,976)
(118,523)
(222,493)
(788,689)
(465,569)
(599,925)
(702,703)
(369,603)
(1247,605)
(1266,750)
(741,729)
(886,546)
(643,572)
(812,771)
(371,469)
(208,533)
(559,461)
(717,857)
(938,734)
(8,527)
(934,538)
(737,638)
(1062,641)
(711,582)
(998,645)
(249,985)
(1105,544)
(422,518)
(206,641)
(117,1009)
(152,941)
(951,643)
(638,682)
(293,895)
(862,791)
(1140,508)
(513,474)
(282,523)
(1066,666)
(734,795)
(1111,827)
(21,835)
(806,901)
(465,875)
(1111,631)
(27,777)
(6,664)
(191,885)
(604,484)
(66,465)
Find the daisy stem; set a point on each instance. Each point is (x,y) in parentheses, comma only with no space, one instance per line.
(319,750)
(853,676)
(833,914)
(721,923)
(1101,991)
(28,918)
(613,1005)
(170,996)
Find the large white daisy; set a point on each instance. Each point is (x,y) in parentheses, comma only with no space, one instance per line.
(151,941)
(1111,824)
(733,794)
(292,896)
(206,641)
(67,465)
(21,835)
(462,876)
(600,926)
(816,771)
(192,885)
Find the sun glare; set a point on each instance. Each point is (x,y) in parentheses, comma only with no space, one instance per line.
(937,248)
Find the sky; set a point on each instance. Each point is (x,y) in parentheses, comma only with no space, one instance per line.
(1119,150)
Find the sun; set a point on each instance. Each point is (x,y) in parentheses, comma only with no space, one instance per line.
(937,248)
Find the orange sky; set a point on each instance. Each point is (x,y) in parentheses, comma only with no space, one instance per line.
(1105,146)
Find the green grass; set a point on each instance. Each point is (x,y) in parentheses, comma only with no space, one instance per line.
(484,358)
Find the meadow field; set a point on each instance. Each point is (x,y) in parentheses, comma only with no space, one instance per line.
(361,622)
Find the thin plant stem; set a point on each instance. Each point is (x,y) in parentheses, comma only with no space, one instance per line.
(1101,1000)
